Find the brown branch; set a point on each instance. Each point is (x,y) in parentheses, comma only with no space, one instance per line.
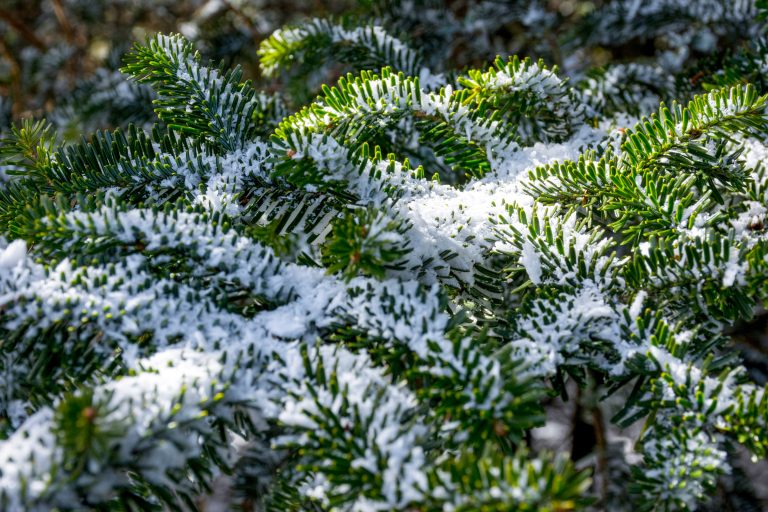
(75,38)
(61,17)
(22,29)
(16,93)
(602,449)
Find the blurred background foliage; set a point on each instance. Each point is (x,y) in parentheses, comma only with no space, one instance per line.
(60,58)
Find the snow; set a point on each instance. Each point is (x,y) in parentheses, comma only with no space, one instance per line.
(190,345)
(199,358)
(13,254)
(530,260)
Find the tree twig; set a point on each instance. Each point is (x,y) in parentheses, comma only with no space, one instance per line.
(22,29)
(16,90)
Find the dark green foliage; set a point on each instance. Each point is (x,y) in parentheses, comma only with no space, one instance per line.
(366,301)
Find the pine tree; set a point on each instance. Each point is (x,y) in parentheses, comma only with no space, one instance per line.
(366,300)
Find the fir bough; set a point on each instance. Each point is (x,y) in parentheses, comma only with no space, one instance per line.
(366,302)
